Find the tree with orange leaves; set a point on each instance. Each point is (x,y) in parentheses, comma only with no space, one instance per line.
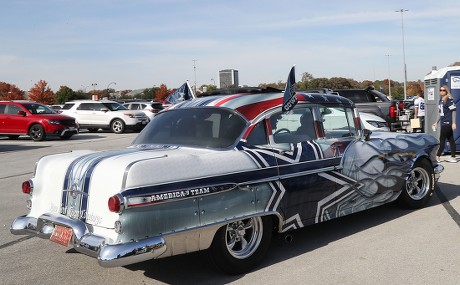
(42,93)
(162,93)
(10,92)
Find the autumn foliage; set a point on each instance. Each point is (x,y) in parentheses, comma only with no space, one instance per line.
(42,93)
(162,93)
(10,92)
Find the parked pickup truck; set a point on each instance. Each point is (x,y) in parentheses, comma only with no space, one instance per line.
(368,100)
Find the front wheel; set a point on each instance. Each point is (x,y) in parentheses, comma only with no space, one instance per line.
(419,186)
(37,133)
(118,126)
(239,246)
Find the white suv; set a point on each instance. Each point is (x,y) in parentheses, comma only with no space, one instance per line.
(93,115)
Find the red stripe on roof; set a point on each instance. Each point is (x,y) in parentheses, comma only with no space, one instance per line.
(250,111)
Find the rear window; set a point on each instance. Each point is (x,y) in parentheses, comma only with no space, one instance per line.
(357,96)
(67,106)
(204,127)
(157,106)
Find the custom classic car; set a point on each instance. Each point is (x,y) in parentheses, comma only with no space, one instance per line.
(223,174)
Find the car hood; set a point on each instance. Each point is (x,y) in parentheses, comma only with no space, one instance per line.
(371,117)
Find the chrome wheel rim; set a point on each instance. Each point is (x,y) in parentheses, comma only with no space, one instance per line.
(417,185)
(243,237)
(117,126)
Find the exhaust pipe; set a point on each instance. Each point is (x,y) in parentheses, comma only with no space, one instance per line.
(288,238)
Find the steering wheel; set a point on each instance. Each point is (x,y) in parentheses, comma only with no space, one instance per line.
(283,130)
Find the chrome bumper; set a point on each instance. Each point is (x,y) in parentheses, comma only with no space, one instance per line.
(108,255)
(437,171)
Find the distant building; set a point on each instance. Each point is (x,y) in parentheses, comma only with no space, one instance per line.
(228,77)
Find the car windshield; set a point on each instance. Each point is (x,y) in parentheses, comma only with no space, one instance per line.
(203,127)
(35,108)
(114,106)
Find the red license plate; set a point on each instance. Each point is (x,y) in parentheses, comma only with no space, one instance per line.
(61,235)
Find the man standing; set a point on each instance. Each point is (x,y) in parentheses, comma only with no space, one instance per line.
(419,111)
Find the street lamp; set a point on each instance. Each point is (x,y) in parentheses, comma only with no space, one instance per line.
(389,80)
(214,82)
(194,72)
(404,51)
(94,86)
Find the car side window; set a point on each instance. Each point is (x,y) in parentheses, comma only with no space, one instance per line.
(12,110)
(85,107)
(294,126)
(98,106)
(2,108)
(338,122)
(258,135)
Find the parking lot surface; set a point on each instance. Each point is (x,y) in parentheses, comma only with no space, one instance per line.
(385,245)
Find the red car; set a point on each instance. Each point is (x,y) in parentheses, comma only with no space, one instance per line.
(34,119)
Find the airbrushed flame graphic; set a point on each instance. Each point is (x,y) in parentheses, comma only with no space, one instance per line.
(373,173)
(378,171)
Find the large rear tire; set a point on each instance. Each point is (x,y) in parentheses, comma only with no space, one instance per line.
(419,186)
(239,246)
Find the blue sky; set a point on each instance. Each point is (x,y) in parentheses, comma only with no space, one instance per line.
(141,43)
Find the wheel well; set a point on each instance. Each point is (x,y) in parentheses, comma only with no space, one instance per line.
(277,221)
(120,119)
(33,124)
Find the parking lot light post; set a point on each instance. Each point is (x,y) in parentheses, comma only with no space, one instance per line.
(194,72)
(404,51)
(389,80)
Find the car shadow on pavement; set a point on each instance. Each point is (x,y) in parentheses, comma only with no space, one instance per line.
(14,147)
(197,268)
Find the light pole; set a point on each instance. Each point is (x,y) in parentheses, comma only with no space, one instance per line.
(404,51)
(94,86)
(213,81)
(108,88)
(389,80)
(194,72)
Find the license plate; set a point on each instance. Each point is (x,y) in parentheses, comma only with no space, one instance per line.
(61,235)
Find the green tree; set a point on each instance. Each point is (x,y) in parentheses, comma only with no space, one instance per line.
(65,94)
(150,93)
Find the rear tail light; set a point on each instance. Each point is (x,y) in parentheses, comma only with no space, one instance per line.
(115,204)
(27,187)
